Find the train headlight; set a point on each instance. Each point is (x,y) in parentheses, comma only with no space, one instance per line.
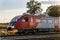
(12,26)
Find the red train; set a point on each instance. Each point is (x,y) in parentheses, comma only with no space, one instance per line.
(33,23)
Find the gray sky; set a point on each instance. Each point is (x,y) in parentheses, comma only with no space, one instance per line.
(11,8)
(12,4)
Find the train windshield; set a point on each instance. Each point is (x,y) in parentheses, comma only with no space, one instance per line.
(14,20)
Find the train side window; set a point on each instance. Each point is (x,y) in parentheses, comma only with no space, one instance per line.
(38,20)
(25,19)
(49,21)
(44,21)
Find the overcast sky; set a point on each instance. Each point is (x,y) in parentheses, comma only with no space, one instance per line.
(11,8)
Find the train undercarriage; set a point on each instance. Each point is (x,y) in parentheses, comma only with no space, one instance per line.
(28,31)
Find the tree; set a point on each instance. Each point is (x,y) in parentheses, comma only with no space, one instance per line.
(33,6)
(53,11)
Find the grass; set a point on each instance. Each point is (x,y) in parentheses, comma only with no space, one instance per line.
(3,27)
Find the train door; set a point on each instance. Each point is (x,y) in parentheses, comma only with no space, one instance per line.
(56,23)
(59,23)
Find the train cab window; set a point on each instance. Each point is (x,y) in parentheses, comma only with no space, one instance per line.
(38,20)
(44,21)
(49,21)
(25,19)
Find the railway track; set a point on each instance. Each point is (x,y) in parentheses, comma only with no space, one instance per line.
(31,36)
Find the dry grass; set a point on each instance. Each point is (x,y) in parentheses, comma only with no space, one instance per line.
(3,27)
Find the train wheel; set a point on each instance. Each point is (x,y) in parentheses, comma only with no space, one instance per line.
(25,32)
(30,33)
(56,30)
(34,32)
(19,33)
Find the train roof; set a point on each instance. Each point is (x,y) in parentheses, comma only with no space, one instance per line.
(34,15)
(40,15)
(16,18)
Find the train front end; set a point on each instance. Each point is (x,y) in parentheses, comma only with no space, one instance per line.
(11,29)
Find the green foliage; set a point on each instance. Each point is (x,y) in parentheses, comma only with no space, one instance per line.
(53,11)
(33,6)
